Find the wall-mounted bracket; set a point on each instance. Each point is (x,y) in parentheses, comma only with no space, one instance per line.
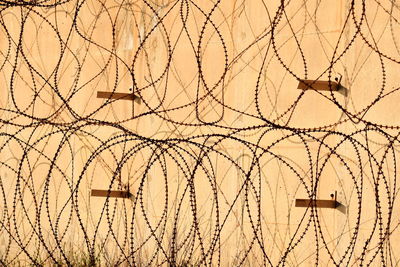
(120,96)
(318,203)
(318,85)
(110,193)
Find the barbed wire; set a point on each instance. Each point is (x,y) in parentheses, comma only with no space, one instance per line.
(216,143)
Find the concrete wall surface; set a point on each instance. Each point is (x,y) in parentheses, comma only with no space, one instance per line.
(209,155)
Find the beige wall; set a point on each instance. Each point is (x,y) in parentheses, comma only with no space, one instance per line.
(262,142)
